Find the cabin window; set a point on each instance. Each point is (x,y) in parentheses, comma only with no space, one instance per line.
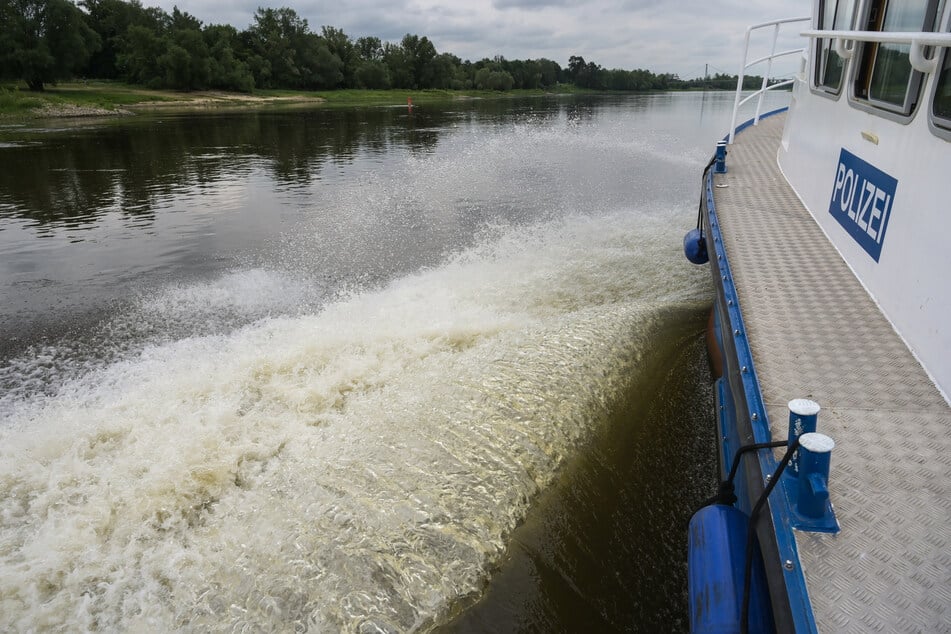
(886,78)
(941,106)
(833,14)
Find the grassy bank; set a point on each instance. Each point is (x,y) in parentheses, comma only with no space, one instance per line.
(352,97)
(17,101)
(101,98)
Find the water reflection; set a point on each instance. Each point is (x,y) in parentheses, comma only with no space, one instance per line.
(131,169)
(73,176)
(94,212)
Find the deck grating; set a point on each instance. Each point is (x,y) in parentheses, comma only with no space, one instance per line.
(815,333)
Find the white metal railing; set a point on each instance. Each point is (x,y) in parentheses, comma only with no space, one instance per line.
(744,65)
(918,41)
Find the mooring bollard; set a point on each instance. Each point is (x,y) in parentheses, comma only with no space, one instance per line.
(719,165)
(803,417)
(815,455)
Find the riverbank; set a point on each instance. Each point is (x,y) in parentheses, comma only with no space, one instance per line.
(101,98)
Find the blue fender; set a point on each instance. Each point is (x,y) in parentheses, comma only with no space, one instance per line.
(716,562)
(695,247)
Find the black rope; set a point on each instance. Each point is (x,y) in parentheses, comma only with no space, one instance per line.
(726,490)
(750,536)
(752,447)
(713,159)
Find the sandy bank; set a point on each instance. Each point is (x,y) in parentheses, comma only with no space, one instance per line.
(204,100)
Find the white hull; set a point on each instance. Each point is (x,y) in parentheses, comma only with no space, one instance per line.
(910,281)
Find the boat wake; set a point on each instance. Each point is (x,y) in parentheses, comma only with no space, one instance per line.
(356,466)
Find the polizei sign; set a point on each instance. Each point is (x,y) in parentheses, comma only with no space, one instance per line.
(862,201)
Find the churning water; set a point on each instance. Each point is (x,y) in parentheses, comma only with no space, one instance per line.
(321,371)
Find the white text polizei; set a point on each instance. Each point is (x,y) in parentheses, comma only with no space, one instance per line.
(863,201)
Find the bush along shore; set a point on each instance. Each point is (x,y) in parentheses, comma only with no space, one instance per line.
(110,99)
(101,98)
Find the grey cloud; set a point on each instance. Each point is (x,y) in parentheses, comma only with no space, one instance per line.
(678,37)
(531,4)
(637,5)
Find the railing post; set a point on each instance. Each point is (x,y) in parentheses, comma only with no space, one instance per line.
(739,83)
(769,70)
(738,101)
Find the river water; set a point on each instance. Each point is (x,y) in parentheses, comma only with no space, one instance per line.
(355,370)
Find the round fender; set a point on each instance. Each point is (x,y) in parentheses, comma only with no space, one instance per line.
(695,247)
(716,564)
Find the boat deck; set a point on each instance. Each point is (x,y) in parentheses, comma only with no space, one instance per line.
(815,333)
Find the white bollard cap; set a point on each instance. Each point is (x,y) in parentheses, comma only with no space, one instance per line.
(803,407)
(816,443)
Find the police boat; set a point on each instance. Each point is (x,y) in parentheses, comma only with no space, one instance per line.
(824,228)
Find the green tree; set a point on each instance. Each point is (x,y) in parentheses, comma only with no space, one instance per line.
(550,71)
(43,41)
(319,68)
(492,77)
(185,64)
(137,57)
(420,55)
(340,44)
(283,52)
(370,49)
(276,37)
(225,69)
(372,75)
(399,65)
(585,74)
(525,73)
(442,70)
(111,20)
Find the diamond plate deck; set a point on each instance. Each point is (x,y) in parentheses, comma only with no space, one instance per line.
(815,333)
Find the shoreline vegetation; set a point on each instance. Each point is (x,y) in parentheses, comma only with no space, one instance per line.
(100,98)
(103,98)
(109,57)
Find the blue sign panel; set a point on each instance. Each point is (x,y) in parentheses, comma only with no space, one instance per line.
(862,199)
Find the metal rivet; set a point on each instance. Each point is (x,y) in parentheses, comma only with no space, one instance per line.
(736,332)
(744,369)
(755,416)
(788,564)
(724,277)
(729,302)
(769,476)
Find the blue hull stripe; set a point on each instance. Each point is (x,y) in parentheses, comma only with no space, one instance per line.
(734,328)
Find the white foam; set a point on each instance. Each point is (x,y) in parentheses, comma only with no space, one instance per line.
(352,468)
(176,311)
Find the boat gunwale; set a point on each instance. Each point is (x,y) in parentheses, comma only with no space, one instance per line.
(792,609)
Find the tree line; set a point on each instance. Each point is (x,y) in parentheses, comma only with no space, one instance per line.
(44,41)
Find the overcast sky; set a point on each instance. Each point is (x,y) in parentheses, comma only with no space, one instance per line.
(664,37)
